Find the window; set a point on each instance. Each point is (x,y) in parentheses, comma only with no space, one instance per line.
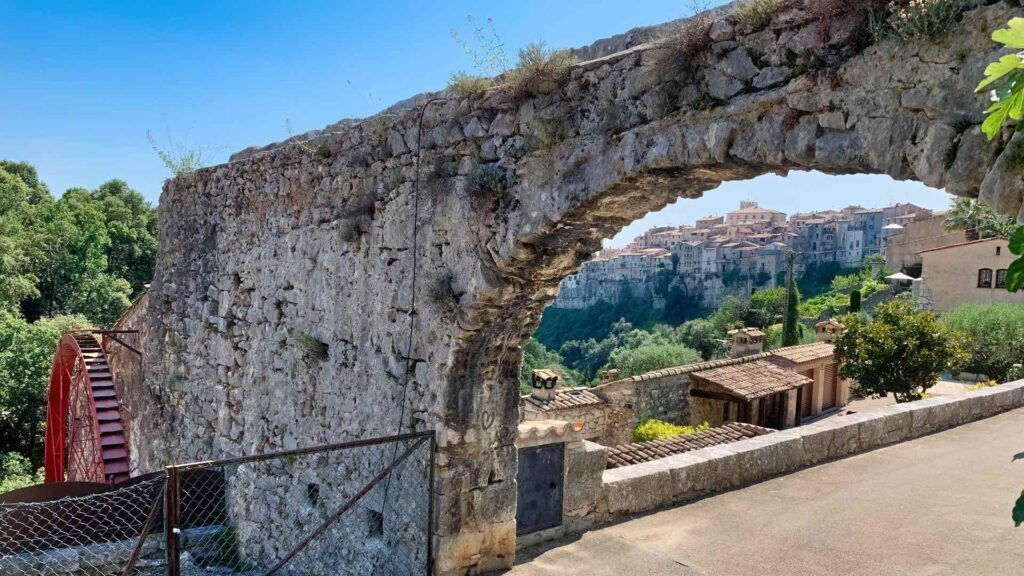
(1001,278)
(999,250)
(985,278)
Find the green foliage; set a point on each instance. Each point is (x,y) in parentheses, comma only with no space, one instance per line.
(702,336)
(902,351)
(488,55)
(657,429)
(1005,80)
(175,157)
(651,357)
(791,320)
(311,346)
(993,334)
(916,19)
(977,220)
(536,356)
(467,86)
(16,472)
(539,70)
(855,301)
(1015,273)
(26,354)
(487,179)
(818,276)
(754,15)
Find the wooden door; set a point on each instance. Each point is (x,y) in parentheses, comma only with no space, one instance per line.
(539,488)
(828,397)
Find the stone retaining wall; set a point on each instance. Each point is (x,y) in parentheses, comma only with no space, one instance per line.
(675,479)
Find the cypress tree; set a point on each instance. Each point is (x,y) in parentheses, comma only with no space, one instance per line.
(855,301)
(791,322)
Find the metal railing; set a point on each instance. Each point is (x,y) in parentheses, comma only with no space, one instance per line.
(361,507)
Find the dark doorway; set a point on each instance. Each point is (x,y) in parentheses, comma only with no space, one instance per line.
(539,488)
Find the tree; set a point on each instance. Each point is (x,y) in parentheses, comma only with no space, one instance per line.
(634,361)
(675,262)
(702,336)
(901,351)
(766,307)
(993,335)
(26,354)
(790,329)
(855,301)
(977,220)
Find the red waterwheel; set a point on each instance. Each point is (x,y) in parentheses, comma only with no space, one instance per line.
(85,439)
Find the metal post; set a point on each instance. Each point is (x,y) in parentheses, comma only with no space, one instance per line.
(430,505)
(171,522)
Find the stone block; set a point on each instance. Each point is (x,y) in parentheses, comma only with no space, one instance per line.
(933,414)
(763,457)
(817,440)
(637,488)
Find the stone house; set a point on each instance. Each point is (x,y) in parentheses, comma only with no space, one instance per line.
(777,389)
(965,273)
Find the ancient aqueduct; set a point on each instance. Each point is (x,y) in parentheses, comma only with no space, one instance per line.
(347,233)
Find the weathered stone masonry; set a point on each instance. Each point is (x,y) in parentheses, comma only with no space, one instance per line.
(315,240)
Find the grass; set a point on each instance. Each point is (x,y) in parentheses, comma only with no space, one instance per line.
(656,430)
(467,86)
(676,53)
(311,346)
(539,70)
(177,159)
(915,19)
(754,15)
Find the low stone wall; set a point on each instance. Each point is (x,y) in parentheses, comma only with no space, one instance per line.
(647,486)
(675,479)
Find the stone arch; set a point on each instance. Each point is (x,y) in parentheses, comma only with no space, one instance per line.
(515,193)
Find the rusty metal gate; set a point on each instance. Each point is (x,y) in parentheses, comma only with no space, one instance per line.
(539,488)
(363,507)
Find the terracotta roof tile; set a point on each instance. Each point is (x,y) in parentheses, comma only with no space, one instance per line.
(567,398)
(805,352)
(751,380)
(628,454)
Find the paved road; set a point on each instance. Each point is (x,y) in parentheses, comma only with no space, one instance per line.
(937,505)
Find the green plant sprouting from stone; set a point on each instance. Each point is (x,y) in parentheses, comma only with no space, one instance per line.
(755,14)
(300,143)
(487,179)
(915,19)
(539,70)
(176,158)
(488,56)
(311,346)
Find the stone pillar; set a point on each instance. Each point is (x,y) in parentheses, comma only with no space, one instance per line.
(584,465)
(791,407)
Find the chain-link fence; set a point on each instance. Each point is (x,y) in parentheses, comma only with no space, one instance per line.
(361,507)
(115,532)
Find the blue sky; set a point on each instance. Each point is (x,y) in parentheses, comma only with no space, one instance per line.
(82,82)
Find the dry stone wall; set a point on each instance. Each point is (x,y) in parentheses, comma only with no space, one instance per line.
(287,279)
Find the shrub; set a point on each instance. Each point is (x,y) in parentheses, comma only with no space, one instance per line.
(916,19)
(311,346)
(993,335)
(487,179)
(467,86)
(755,14)
(656,430)
(855,301)
(676,53)
(650,357)
(539,70)
(16,472)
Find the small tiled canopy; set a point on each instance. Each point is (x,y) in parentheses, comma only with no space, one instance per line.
(628,454)
(567,398)
(805,352)
(749,380)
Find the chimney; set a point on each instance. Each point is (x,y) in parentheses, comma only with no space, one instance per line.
(746,341)
(544,384)
(826,331)
(610,375)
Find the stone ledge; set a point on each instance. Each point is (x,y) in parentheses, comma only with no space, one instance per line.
(651,485)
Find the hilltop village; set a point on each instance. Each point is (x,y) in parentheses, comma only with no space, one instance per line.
(718,256)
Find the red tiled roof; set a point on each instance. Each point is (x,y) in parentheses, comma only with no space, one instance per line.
(751,380)
(567,398)
(628,454)
(805,352)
